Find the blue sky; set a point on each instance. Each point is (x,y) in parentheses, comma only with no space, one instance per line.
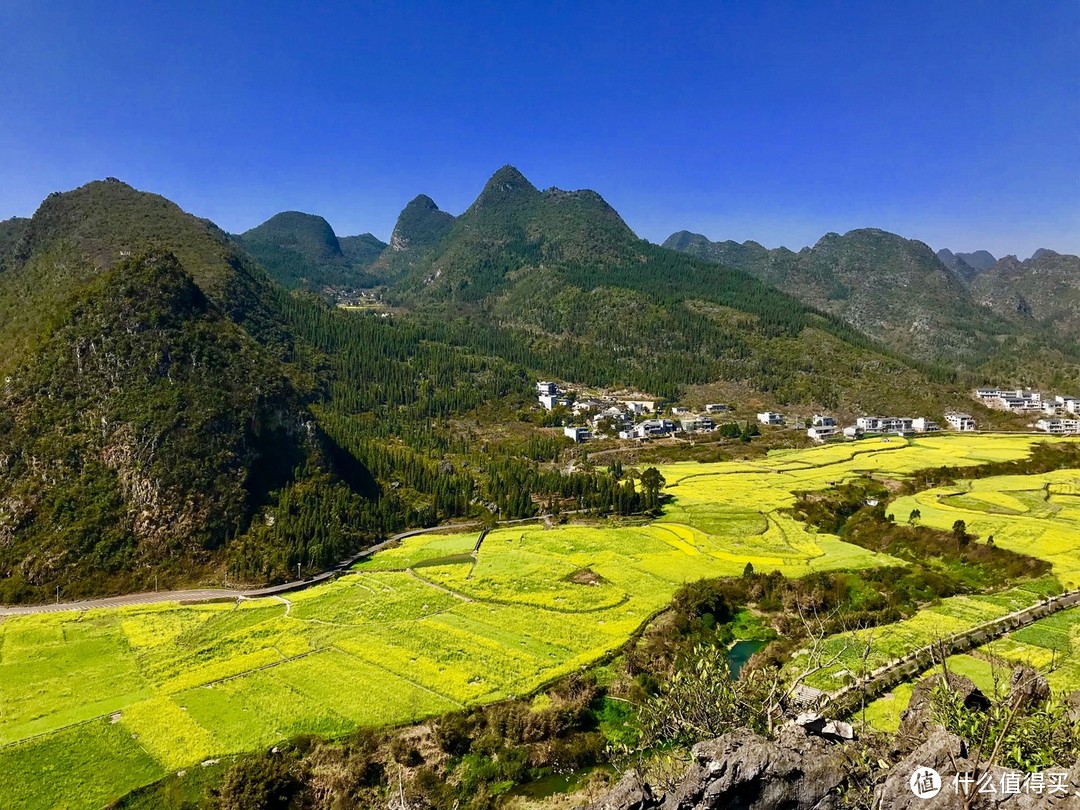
(957,123)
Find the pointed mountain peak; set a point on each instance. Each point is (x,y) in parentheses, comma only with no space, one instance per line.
(505,185)
(421,202)
(420,224)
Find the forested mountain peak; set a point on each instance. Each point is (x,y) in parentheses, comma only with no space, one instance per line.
(964,271)
(302,250)
(76,234)
(308,234)
(506,185)
(1044,289)
(894,289)
(363,248)
(979,259)
(420,225)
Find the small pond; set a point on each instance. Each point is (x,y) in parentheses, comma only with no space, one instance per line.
(740,653)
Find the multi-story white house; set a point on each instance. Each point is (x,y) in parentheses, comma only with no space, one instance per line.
(578,434)
(770,418)
(716,407)
(886,424)
(923,425)
(697,424)
(1059,427)
(650,428)
(960,421)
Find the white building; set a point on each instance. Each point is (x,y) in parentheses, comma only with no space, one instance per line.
(545,388)
(639,406)
(678,410)
(650,428)
(552,401)
(822,421)
(923,425)
(1059,427)
(853,432)
(820,433)
(1017,400)
(716,407)
(770,418)
(582,405)
(902,425)
(578,434)
(697,424)
(960,421)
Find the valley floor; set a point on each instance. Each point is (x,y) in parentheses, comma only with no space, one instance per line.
(96,703)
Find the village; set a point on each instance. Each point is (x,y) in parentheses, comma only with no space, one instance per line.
(1061,414)
(635,417)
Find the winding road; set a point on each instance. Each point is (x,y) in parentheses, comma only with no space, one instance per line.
(215,594)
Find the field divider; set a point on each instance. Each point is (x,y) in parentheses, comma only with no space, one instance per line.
(399,675)
(902,669)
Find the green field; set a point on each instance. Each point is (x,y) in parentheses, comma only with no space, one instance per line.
(1049,645)
(423,628)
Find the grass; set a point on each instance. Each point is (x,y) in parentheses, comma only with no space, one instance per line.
(396,640)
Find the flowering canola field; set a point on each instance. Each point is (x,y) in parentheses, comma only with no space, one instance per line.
(94,704)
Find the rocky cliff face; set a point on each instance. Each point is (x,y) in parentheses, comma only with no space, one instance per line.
(801,770)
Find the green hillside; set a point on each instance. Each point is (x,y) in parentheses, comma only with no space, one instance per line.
(577,294)
(1043,290)
(302,250)
(893,289)
(149,416)
(419,228)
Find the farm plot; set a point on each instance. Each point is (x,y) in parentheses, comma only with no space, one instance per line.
(951,616)
(1050,645)
(1040,527)
(412,632)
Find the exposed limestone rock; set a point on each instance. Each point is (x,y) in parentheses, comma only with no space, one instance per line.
(1026,686)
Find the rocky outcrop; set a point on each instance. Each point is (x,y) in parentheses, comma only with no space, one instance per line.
(809,768)
(799,771)
(916,722)
(948,756)
(1027,687)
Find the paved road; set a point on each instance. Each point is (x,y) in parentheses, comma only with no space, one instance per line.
(212,594)
(196,595)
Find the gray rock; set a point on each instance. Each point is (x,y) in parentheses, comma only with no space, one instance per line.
(630,794)
(742,771)
(917,719)
(948,755)
(1072,706)
(1028,687)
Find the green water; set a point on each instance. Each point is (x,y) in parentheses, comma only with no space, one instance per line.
(740,653)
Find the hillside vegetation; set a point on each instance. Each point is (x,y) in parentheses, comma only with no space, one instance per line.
(302,250)
(893,289)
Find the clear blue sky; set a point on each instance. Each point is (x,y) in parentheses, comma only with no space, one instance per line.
(957,123)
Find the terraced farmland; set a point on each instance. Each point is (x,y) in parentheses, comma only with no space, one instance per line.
(427,627)
(1050,645)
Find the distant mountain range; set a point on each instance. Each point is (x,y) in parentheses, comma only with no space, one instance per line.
(174,403)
